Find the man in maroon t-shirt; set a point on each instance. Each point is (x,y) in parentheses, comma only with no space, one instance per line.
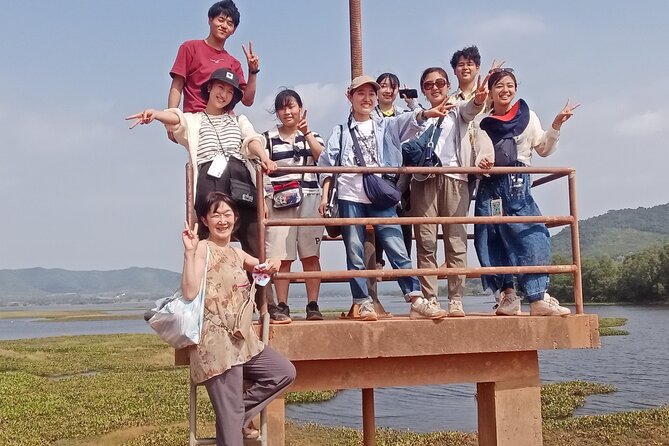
(197,59)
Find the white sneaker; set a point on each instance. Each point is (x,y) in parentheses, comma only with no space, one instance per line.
(367,312)
(455,308)
(548,306)
(509,304)
(422,308)
(435,302)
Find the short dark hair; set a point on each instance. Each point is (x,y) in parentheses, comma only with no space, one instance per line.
(469,53)
(226,8)
(497,75)
(433,70)
(283,98)
(211,202)
(392,78)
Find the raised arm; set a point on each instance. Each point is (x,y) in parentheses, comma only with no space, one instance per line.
(315,144)
(194,261)
(147,116)
(254,67)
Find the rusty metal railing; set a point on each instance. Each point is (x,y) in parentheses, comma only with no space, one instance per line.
(549,174)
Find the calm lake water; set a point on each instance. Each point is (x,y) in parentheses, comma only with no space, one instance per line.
(637,365)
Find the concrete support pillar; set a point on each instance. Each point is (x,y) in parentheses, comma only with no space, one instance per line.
(509,412)
(276,418)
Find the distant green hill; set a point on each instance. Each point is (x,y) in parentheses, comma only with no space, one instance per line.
(43,283)
(618,233)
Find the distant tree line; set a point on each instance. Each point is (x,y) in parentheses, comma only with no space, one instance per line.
(640,278)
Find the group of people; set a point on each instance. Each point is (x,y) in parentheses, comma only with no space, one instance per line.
(482,124)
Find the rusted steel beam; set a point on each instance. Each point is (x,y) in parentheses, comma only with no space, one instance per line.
(190,205)
(548,178)
(409,170)
(394,273)
(555,221)
(355,30)
(575,245)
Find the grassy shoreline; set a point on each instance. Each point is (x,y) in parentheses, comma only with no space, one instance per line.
(124,390)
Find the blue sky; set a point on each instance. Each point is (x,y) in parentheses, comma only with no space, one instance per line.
(81,191)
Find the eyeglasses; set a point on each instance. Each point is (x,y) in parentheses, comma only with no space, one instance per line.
(501,70)
(440,83)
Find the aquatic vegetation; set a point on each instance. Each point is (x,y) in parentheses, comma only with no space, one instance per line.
(607,326)
(124,390)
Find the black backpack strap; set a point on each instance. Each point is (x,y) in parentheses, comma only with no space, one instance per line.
(268,145)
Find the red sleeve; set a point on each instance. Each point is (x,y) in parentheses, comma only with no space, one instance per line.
(182,62)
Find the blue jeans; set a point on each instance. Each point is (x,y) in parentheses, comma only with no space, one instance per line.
(389,236)
(516,244)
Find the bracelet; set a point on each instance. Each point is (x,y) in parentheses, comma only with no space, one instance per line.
(308,133)
(422,115)
(255,71)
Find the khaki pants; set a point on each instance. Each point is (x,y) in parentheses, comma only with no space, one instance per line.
(441,196)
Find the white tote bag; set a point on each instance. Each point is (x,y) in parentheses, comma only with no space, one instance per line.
(177,320)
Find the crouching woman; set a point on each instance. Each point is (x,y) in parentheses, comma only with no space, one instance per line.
(229,351)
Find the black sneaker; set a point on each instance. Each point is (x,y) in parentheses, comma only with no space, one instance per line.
(279,314)
(313,313)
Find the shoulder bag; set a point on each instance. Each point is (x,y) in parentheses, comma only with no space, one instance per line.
(287,194)
(381,190)
(177,320)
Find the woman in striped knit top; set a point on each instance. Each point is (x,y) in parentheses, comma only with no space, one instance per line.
(220,146)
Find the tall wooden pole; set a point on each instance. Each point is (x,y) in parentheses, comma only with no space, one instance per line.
(355,19)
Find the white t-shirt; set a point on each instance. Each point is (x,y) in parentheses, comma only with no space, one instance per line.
(445,147)
(350,184)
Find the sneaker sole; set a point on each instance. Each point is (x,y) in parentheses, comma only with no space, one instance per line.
(284,322)
(515,313)
(413,314)
(456,314)
(315,318)
(551,314)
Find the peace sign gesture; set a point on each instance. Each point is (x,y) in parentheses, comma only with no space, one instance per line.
(439,111)
(564,114)
(481,93)
(190,238)
(302,126)
(145,117)
(252,59)
(495,68)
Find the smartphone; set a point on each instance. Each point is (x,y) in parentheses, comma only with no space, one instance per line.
(410,93)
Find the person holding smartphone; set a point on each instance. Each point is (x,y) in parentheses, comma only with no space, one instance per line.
(389,90)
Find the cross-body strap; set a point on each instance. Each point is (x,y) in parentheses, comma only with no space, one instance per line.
(268,145)
(356,148)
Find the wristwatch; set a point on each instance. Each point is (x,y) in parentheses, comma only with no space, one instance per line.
(255,71)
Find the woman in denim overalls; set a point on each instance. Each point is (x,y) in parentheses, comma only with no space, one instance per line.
(506,137)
